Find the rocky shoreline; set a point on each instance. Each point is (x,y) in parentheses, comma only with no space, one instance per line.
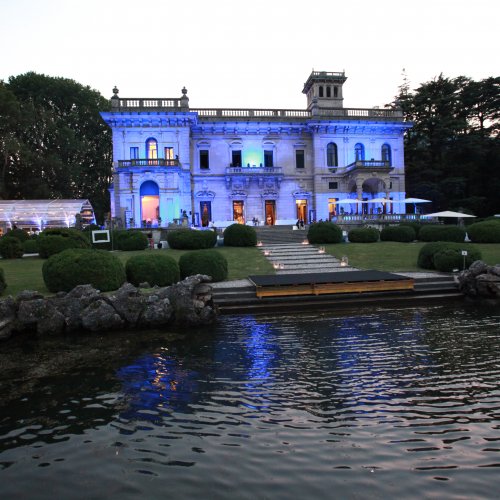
(480,281)
(187,303)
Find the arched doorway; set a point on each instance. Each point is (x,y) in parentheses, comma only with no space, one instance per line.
(150,202)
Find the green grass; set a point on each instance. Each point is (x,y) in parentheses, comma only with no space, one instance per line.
(26,273)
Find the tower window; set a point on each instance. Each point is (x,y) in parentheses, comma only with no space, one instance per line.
(335,91)
(328,91)
(299,158)
(321,91)
(268,158)
(331,155)
(236,158)
(204,163)
(333,185)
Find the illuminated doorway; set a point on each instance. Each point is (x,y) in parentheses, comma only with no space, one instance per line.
(302,210)
(150,202)
(332,208)
(206,213)
(270,208)
(238,212)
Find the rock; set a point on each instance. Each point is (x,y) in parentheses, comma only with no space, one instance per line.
(488,285)
(145,284)
(101,316)
(478,267)
(40,315)
(495,270)
(158,312)
(28,295)
(7,317)
(129,303)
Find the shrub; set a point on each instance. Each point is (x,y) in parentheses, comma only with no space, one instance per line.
(155,268)
(129,240)
(52,241)
(209,262)
(324,232)
(11,248)
(448,259)
(363,235)
(20,234)
(403,234)
(239,235)
(30,245)
(3,285)
(440,232)
(484,232)
(81,266)
(415,225)
(191,239)
(428,251)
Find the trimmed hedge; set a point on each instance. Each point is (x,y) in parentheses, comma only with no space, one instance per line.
(415,225)
(3,285)
(484,232)
(427,253)
(191,239)
(440,232)
(20,234)
(239,235)
(154,268)
(403,234)
(324,232)
(81,266)
(53,241)
(11,247)
(31,245)
(129,240)
(209,262)
(363,235)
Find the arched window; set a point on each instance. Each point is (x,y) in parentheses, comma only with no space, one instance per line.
(321,91)
(386,154)
(359,152)
(151,149)
(331,155)
(328,92)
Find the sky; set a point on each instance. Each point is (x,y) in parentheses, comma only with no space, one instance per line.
(257,54)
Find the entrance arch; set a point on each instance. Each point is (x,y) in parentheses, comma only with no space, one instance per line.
(150,201)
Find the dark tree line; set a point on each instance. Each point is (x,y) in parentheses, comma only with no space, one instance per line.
(452,153)
(53,143)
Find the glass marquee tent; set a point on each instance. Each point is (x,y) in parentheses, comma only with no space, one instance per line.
(40,214)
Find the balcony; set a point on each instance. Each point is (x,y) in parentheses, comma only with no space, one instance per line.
(255,170)
(156,162)
(370,165)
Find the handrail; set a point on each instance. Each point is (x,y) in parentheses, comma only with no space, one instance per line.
(149,162)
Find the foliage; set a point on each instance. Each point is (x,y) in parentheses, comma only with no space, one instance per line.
(448,259)
(31,245)
(80,266)
(153,268)
(190,239)
(129,240)
(3,284)
(428,251)
(20,234)
(52,241)
(484,232)
(403,234)
(209,262)
(324,232)
(413,224)
(240,235)
(11,248)
(363,235)
(439,232)
(53,142)
(453,150)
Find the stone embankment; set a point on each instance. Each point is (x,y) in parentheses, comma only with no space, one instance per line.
(187,303)
(480,281)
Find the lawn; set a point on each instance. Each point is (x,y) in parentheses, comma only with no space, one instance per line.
(26,273)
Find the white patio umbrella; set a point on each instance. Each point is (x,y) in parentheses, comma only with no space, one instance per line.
(448,213)
(414,201)
(378,200)
(350,200)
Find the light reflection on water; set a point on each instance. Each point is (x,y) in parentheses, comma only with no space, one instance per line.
(375,403)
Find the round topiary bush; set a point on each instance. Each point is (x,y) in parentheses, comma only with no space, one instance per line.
(3,285)
(20,234)
(154,268)
(80,266)
(363,235)
(31,245)
(427,252)
(191,239)
(239,235)
(11,248)
(484,232)
(403,234)
(440,232)
(209,262)
(52,241)
(324,232)
(447,260)
(415,225)
(130,240)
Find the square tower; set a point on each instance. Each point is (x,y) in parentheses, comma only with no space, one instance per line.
(324,89)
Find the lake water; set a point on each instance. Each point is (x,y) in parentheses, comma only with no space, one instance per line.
(372,403)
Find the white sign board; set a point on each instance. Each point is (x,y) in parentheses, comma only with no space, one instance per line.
(101,236)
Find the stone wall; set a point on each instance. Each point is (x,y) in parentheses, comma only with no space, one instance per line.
(187,303)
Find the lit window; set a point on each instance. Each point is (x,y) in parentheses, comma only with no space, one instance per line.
(134,153)
(268,158)
(169,153)
(299,158)
(151,149)
(204,163)
(359,152)
(386,154)
(331,155)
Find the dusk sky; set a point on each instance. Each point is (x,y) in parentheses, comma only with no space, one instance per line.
(230,53)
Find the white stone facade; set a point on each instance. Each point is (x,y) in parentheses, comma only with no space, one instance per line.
(275,166)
